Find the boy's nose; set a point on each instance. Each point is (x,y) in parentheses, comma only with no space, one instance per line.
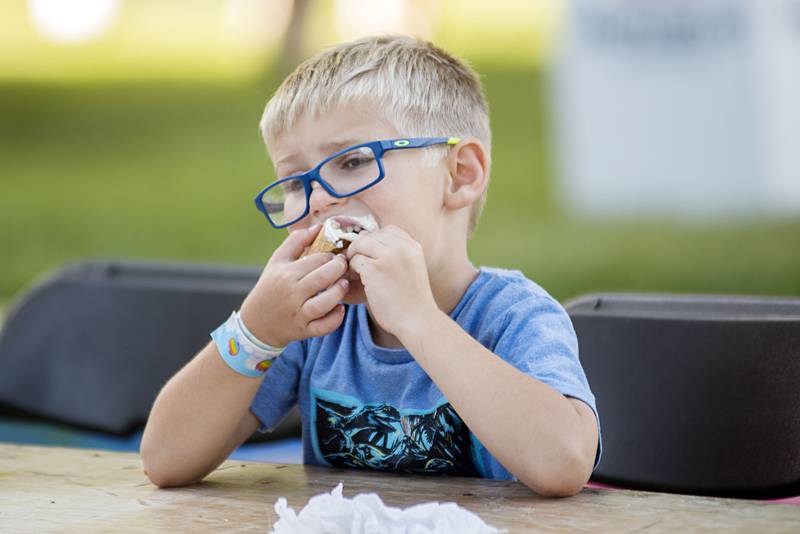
(320,199)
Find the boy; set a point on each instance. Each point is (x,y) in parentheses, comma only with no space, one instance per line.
(400,353)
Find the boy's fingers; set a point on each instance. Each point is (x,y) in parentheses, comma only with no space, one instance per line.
(365,245)
(310,263)
(327,324)
(386,235)
(396,230)
(360,263)
(322,277)
(295,244)
(321,304)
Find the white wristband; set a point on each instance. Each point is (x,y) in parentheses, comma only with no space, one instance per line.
(254,339)
(241,350)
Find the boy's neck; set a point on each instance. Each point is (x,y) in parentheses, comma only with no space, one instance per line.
(448,289)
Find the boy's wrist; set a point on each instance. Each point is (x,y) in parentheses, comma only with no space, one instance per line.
(251,326)
(241,351)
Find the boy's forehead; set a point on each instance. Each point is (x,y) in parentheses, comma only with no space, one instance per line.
(321,135)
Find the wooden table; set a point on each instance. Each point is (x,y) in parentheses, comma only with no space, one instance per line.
(44,489)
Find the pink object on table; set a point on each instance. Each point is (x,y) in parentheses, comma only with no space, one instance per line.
(783,500)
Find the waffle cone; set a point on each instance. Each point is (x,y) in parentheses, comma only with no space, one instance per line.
(321,244)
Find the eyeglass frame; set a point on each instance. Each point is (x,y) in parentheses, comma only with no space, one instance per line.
(378,149)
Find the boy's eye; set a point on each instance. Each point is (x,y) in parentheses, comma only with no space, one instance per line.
(349,171)
(354,162)
(292,186)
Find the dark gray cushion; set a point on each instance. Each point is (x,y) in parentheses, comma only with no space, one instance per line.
(696,394)
(93,343)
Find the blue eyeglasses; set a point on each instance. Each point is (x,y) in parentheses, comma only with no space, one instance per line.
(342,174)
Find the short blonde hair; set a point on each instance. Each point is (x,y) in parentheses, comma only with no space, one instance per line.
(421,89)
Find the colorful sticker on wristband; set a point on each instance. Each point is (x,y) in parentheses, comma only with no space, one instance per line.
(263,365)
(233,347)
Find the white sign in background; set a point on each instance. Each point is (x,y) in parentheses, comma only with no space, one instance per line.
(687,107)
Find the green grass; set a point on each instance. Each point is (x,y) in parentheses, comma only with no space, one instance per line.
(167,171)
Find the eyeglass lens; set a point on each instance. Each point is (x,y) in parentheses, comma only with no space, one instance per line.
(346,173)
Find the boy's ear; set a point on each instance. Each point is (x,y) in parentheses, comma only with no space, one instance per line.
(469,173)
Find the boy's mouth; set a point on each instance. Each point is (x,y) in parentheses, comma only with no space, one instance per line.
(350,227)
(338,231)
(341,228)
(352,224)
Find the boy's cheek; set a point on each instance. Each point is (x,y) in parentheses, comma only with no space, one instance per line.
(299,225)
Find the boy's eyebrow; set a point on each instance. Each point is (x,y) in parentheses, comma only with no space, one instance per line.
(328,148)
(333,146)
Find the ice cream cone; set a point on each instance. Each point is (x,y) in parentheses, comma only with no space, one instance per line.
(321,244)
(333,238)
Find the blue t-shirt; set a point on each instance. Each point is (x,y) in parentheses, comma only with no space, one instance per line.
(367,406)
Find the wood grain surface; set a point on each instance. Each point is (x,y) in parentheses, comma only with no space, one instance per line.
(48,489)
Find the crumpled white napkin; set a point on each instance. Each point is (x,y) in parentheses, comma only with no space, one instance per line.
(331,513)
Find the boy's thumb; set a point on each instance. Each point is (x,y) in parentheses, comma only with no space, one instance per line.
(294,245)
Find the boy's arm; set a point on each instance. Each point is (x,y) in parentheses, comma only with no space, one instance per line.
(548,441)
(203,412)
(545,439)
(200,416)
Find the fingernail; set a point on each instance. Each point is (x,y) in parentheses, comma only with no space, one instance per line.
(344,283)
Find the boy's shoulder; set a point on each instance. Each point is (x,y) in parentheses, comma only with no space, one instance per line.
(499,294)
(509,306)
(507,287)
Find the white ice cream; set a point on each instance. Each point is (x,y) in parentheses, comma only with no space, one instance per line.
(345,228)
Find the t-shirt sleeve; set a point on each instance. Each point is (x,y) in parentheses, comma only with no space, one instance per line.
(278,392)
(536,336)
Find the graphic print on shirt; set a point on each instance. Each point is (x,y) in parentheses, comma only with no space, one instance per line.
(349,433)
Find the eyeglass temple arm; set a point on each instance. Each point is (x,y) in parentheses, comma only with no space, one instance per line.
(419,142)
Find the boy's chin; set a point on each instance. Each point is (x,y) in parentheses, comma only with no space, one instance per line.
(355,294)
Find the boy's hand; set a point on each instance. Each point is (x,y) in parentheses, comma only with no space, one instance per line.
(296,298)
(392,268)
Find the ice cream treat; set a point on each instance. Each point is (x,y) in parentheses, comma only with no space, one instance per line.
(338,232)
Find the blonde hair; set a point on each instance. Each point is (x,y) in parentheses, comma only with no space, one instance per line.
(421,89)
